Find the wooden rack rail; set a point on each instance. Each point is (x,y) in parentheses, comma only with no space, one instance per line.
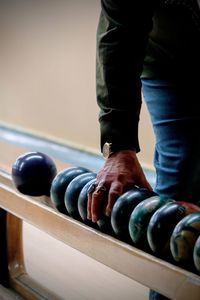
(142,267)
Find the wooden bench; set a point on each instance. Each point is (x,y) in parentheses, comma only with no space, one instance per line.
(16,208)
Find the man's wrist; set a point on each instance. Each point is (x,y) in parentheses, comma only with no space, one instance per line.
(109,149)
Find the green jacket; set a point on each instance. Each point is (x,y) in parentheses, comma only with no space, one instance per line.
(140,38)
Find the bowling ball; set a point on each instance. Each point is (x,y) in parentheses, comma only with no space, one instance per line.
(196,254)
(104,225)
(140,217)
(60,184)
(162,224)
(123,208)
(72,193)
(82,202)
(183,239)
(32,173)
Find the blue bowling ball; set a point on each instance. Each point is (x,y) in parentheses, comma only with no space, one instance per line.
(32,173)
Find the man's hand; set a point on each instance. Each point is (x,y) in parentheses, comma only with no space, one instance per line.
(120,172)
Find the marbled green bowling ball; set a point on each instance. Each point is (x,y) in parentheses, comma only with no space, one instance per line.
(184,237)
(104,225)
(123,208)
(140,217)
(196,254)
(163,222)
(60,184)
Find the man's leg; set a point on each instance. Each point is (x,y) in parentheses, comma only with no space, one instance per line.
(174,111)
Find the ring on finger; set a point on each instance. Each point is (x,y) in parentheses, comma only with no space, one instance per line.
(92,188)
(101,189)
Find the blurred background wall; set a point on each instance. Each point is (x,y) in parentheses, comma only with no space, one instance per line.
(47,72)
(47,88)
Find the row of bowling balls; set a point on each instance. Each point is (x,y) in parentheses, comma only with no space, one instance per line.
(167,228)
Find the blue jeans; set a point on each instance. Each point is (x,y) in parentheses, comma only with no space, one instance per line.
(175,114)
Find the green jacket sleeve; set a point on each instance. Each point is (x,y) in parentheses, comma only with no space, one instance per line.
(122,36)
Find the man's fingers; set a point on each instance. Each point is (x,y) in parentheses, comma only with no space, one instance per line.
(89,204)
(101,198)
(96,197)
(114,192)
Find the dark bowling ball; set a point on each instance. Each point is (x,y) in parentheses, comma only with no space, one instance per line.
(140,217)
(162,224)
(33,173)
(104,225)
(82,203)
(72,193)
(123,208)
(183,239)
(196,254)
(60,184)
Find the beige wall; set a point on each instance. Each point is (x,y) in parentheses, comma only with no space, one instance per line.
(47,72)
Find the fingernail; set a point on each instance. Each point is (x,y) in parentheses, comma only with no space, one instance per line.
(108,212)
(94,219)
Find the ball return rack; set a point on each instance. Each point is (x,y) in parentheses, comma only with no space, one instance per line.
(15,208)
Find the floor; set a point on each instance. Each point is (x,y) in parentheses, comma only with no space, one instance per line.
(72,275)
(7,294)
